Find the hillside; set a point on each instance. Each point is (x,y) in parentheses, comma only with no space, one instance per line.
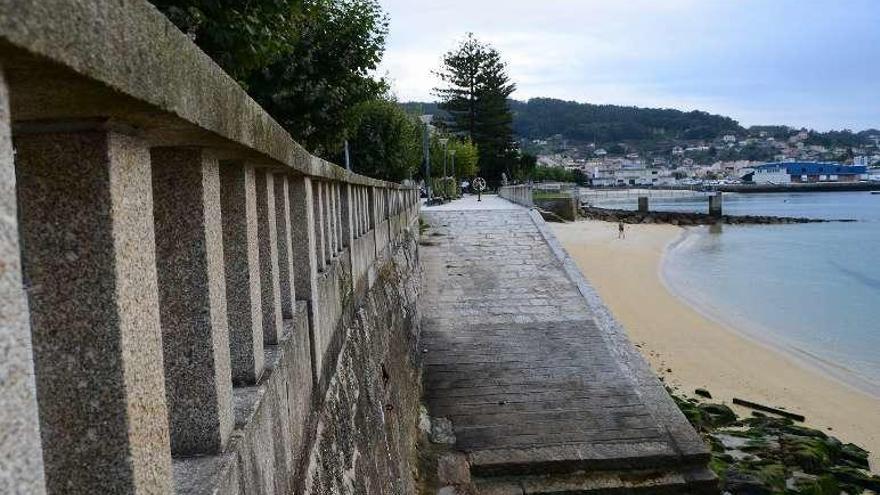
(641,128)
(540,118)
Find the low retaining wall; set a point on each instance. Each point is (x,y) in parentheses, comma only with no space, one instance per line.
(565,208)
(520,194)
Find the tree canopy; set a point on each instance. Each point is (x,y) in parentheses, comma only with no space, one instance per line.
(465,152)
(474,93)
(313,89)
(240,36)
(385,142)
(309,63)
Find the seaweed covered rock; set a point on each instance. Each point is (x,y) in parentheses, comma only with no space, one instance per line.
(766,454)
(853,480)
(854,456)
(745,483)
(717,414)
(812,454)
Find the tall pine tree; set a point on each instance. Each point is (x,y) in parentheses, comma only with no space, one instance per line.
(474,93)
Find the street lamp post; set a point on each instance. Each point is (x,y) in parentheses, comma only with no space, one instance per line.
(426,119)
(444,142)
(454,179)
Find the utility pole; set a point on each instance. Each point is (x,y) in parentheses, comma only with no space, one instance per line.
(426,119)
(445,142)
(347,157)
(454,178)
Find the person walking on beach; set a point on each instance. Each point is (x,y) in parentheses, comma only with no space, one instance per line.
(621,233)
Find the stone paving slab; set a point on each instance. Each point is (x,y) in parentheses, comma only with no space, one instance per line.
(527,364)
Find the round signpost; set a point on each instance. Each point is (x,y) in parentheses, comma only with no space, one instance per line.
(480,185)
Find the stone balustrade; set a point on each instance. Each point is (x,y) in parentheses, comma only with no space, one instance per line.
(520,194)
(166,246)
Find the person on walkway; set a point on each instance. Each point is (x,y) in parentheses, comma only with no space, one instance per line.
(621,233)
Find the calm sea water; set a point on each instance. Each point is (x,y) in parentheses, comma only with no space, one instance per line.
(812,289)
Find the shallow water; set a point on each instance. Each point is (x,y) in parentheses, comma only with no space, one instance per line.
(813,289)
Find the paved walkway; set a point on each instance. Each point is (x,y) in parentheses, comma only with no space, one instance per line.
(534,376)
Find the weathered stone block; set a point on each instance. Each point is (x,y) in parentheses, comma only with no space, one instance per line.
(453,469)
(21,456)
(88,244)
(267,240)
(285,245)
(241,260)
(306,257)
(321,241)
(192,299)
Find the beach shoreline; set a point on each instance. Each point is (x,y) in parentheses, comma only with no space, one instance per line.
(754,332)
(689,348)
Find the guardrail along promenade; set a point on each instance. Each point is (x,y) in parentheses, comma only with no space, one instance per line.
(185,289)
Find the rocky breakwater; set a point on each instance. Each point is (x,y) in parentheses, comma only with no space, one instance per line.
(683,218)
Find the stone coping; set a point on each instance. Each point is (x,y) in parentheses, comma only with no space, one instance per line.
(123,61)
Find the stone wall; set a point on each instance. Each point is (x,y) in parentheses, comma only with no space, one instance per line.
(357,436)
(564,208)
(366,431)
(192,302)
(520,194)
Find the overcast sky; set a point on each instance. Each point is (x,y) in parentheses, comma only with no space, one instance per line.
(812,63)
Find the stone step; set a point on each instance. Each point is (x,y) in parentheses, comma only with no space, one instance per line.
(684,480)
(584,456)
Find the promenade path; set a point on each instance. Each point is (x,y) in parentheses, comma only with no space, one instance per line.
(543,389)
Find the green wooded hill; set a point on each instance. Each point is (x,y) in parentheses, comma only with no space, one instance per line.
(644,129)
(540,118)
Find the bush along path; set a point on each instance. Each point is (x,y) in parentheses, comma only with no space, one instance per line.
(769,455)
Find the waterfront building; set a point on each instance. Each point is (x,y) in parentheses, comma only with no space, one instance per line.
(866,160)
(604,177)
(805,172)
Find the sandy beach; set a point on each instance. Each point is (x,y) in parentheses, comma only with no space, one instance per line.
(690,350)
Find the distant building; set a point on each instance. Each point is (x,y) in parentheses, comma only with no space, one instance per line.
(729,138)
(800,136)
(600,152)
(677,150)
(866,161)
(631,177)
(805,172)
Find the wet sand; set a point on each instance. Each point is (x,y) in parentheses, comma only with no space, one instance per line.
(690,350)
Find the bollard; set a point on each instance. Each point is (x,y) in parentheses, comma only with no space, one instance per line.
(715,205)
